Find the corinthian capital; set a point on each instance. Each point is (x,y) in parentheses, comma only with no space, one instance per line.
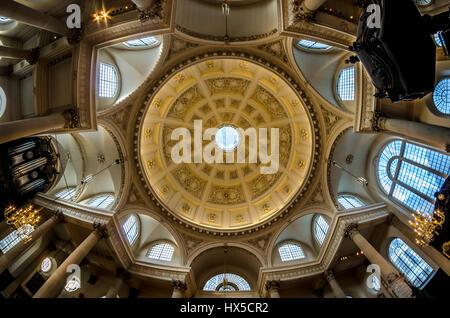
(350,230)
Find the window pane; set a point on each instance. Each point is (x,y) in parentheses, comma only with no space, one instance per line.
(320,228)
(290,252)
(4,19)
(163,252)
(130,228)
(223,279)
(409,263)
(437,40)
(349,201)
(429,158)
(441,96)
(66,194)
(346,84)
(108,82)
(101,201)
(412,200)
(13,238)
(148,41)
(313,45)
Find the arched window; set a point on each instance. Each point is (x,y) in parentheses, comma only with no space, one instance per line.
(411,174)
(290,252)
(101,201)
(148,41)
(226,282)
(130,228)
(376,283)
(13,238)
(162,252)
(108,81)
(346,84)
(2,101)
(348,201)
(441,96)
(313,45)
(72,285)
(66,194)
(4,20)
(437,39)
(320,228)
(409,263)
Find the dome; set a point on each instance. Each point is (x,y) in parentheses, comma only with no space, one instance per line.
(230,96)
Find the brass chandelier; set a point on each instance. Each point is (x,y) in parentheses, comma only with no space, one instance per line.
(24,220)
(426,226)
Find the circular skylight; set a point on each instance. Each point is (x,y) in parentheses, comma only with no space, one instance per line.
(441,96)
(46,265)
(227,138)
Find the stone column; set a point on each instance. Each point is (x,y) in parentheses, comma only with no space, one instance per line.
(28,127)
(52,287)
(122,276)
(272,287)
(12,254)
(26,15)
(391,276)
(442,261)
(430,134)
(308,8)
(337,290)
(179,288)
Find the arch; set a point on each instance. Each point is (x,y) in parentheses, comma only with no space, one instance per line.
(410,173)
(416,270)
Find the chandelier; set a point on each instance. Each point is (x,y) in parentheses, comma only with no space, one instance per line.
(24,220)
(426,226)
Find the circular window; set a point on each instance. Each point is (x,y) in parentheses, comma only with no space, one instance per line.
(46,265)
(441,96)
(72,285)
(227,138)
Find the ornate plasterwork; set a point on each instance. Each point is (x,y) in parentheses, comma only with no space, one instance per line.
(275,49)
(203,96)
(367,107)
(223,38)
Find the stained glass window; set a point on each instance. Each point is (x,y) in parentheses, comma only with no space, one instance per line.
(313,45)
(108,81)
(320,228)
(224,280)
(348,201)
(163,252)
(411,174)
(290,252)
(441,96)
(346,84)
(409,263)
(130,228)
(101,201)
(148,41)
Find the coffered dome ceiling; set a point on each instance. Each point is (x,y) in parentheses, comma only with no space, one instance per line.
(229,93)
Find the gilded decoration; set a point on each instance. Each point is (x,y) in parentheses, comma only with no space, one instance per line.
(225,194)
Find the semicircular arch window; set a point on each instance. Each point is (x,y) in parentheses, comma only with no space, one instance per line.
(290,251)
(410,174)
(314,45)
(441,96)
(409,263)
(346,84)
(226,282)
(147,41)
(348,201)
(162,252)
(66,194)
(108,81)
(4,20)
(13,238)
(321,227)
(130,228)
(101,201)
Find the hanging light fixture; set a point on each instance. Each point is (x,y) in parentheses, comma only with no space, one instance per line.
(426,226)
(91,177)
(24,220)
(226,12)
(360,180)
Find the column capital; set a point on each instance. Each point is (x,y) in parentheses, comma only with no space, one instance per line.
(75,35)
(399,286)
(33,57)
(59,216)
(350,230)
(272,284)
(180,285)
(329,275)
(71,118)
(101,230)
(378,120)
(155,11)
